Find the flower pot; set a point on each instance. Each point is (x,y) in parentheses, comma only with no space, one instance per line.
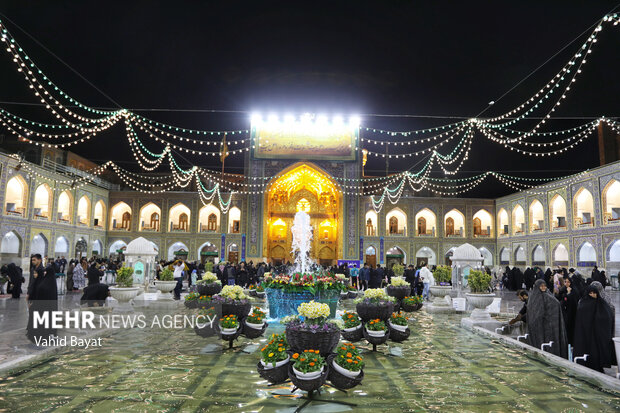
(345,372)
(343,296)
(347,330)
(238,309)
(373,333)
(269,366)
(397,327)
(228,331)
(398,292)
(480,301)
(440,291)
(209,289)
(373,311)
(260,294)
(165,288)
(352,294)
(124,294)
(255,326)
(308,376)
(324,341)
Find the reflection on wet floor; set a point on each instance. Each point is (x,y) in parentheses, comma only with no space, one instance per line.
(441,367)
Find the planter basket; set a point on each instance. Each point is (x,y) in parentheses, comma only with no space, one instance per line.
(398,336)
(240,310)
(340,381)
(252,293)
(208,289)
(398,292)
(231,337)
(207,331)
(410,308)
(352,294)
(353,336)
(308,385)
(276,375)
(191,304)
(250,332)
(325,342)
(372,312)
(376,340)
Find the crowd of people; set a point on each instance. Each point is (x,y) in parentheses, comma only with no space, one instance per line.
(566,313)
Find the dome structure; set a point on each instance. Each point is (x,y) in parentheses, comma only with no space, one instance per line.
(140,246)
(467,252)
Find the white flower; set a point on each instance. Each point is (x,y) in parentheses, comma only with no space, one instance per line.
(377,293)
(313,310)
(209,277)
(340,276)
(234,292)
(399,282)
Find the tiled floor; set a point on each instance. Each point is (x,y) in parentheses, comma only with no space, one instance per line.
(443,367)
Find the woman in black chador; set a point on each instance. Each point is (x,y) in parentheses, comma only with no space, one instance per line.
(42,297)
(545,322)
(594,330)
(569,298)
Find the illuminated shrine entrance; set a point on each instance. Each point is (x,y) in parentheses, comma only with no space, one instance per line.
(303,187)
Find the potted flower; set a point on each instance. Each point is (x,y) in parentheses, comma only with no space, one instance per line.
(252,290)
(352,292)
(124,290)
(229,324)
(273,354)
(398,322)
(260,291)
(413,303)
(374,304)
(348,361)
(398,288)
(209,284)
(311,328)
(480,297)
(166,283)
(308,365)
(233,301)
(256,319)
(352,326)
(442,276)
(191,300)
(205,322)
(376,328)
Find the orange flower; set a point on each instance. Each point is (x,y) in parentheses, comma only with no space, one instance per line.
(302,359)
(355,362)
(349,355)
(343,347)
(296,355)
(312,363)
(358,357)
(280,345)
(349,361)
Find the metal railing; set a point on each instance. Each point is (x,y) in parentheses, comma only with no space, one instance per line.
(69,170)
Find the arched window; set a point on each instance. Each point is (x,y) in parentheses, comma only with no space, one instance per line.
(83,211)
(371,223)
(99,215)
(584,208)
(234,220)
(518,220)
(393,225)
(126,220)
(421,225)
(212,222)
(15,196)
(611,202)
(65,203)
(477,227)
(183,219)
(537,216)
(42,202)
(502,222)
(155,221)
(449,226)
(558,212)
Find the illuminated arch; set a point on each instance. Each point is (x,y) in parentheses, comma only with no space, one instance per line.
(43,199)
(482,223)
(557,212)
(583,207)
(537,216)
(16,196)
(454,224)
(518,220)
(426,223)
(209,218)
(150,217)
(83,212)
(396,222)
(65,207)
(120,217)
(611,202)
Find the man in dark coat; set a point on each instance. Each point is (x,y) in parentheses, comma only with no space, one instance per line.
(16,278)
(42,297)
(376,276)
(528,278)
(95,293)
(545,322)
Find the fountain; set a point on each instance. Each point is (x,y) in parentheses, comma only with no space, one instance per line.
(302,236)
(305,282)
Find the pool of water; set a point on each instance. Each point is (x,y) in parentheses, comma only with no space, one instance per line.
(443,368)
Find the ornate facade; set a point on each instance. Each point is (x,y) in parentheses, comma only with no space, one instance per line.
(573,222)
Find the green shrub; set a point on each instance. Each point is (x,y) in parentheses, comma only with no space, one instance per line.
(166,275)
(399,269)
(124,277)
(442,274)
(208,266)
(479,281)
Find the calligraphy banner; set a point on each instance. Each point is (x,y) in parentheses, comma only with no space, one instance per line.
(242,247)
(381,250)
(223,249)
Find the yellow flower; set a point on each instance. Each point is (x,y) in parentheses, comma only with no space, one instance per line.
(270,355)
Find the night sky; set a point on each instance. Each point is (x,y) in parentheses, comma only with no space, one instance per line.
(347,57)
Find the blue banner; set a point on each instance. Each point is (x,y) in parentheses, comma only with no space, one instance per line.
(362,249)
(381,250)
(242,247)
(223,249)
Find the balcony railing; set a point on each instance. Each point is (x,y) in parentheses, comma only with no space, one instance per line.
(398,233)
(205,228)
